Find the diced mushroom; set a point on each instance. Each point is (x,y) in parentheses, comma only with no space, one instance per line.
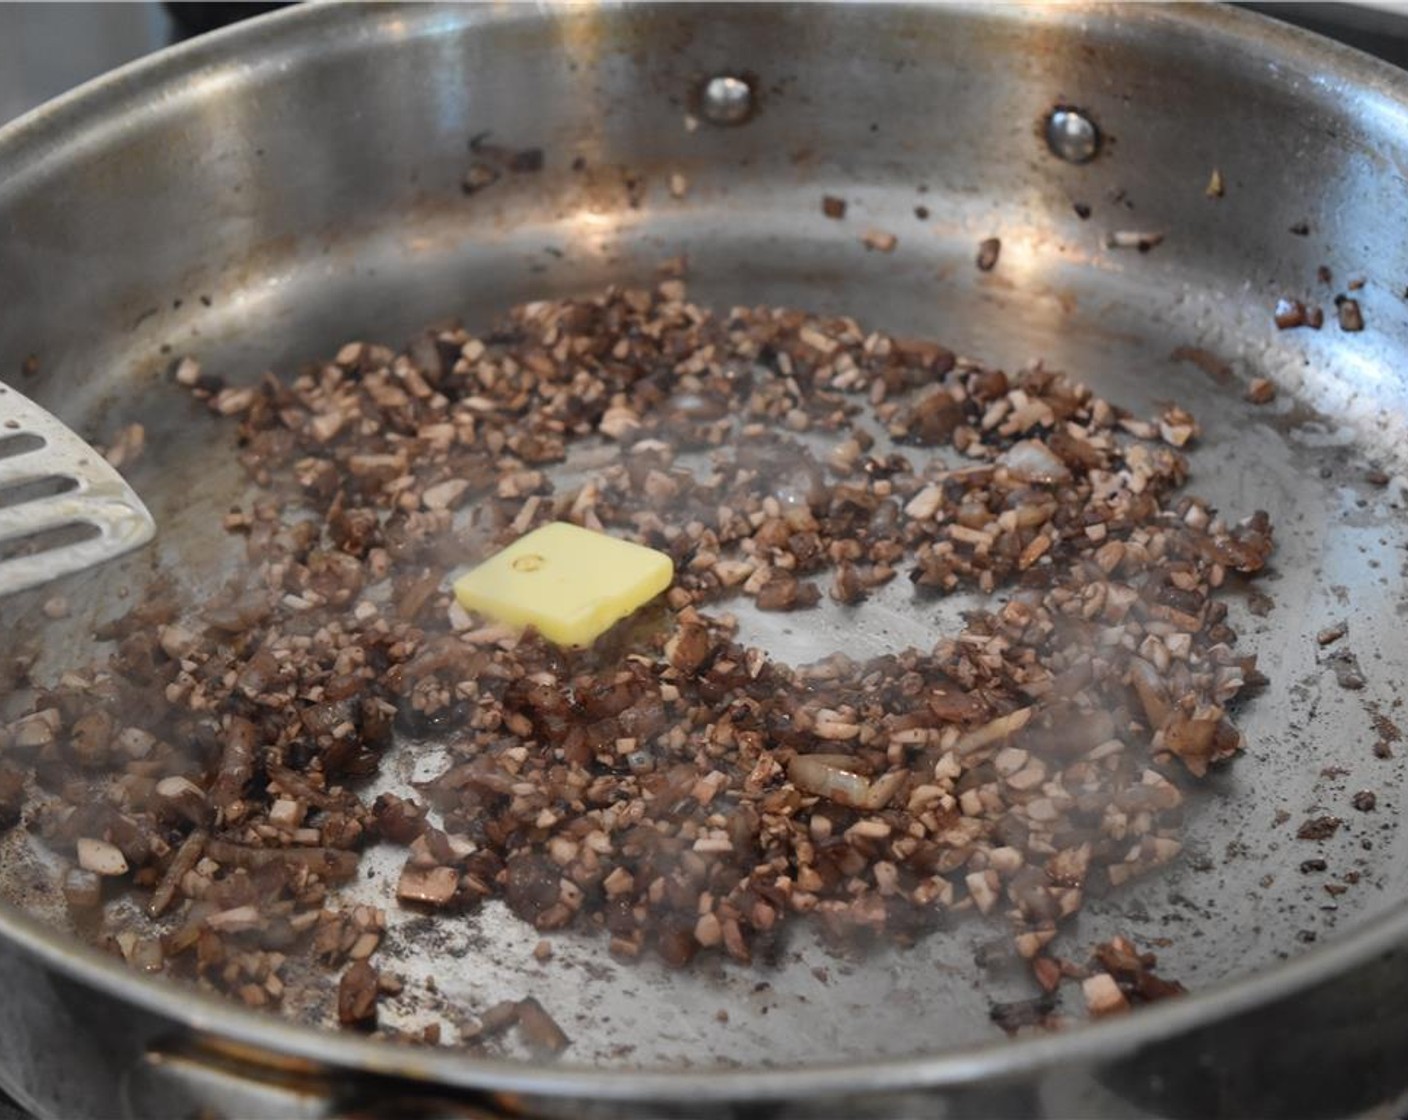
(1103,995)
(83,889)
(434,886)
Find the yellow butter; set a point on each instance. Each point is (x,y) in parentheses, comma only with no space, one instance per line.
(570,584)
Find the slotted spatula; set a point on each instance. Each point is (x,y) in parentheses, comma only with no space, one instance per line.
(62,506)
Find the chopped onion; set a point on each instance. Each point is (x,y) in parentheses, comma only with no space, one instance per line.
(100,857)
(826,776)
(1032,461)
(883,789)
(999,728)
(176,787)
(236,919)
(1150,690)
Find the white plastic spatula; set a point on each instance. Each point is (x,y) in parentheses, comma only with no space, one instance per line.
(62,506)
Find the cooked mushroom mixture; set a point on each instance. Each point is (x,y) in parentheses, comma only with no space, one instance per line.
(672,787)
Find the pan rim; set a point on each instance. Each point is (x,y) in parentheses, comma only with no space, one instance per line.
(49,129)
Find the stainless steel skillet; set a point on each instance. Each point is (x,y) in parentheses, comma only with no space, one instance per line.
(298,182)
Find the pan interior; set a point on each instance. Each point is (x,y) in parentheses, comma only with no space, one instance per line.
(753,231)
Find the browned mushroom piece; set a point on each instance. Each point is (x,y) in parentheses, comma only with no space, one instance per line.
(357,993)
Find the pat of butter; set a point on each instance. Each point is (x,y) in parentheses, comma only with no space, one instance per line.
(570,584)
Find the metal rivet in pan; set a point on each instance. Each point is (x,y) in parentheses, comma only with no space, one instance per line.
(726,99)
(1072,135)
